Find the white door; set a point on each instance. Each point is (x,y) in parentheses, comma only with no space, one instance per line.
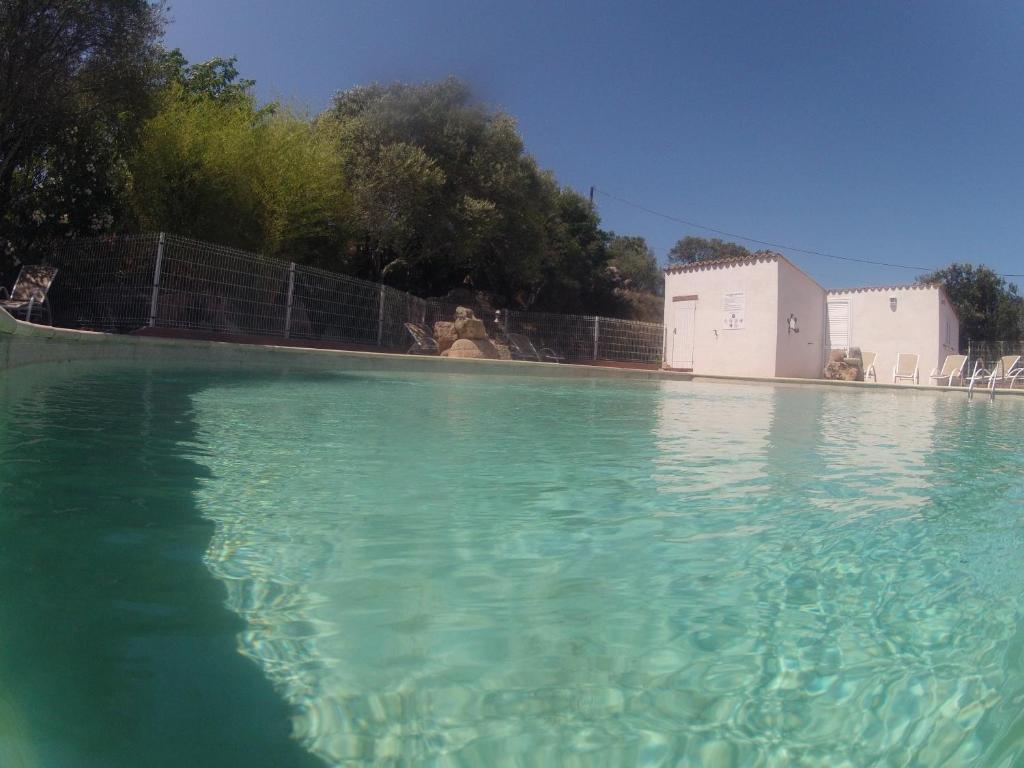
(838,323)
(683,315)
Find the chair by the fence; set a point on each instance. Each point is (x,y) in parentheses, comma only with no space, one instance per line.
(29,292)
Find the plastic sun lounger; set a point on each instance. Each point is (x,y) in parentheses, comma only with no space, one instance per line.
(952,368)
(1007,367)
(1015,373)
(905,368)
(29,292)
(422,342)
(868,362)
(522,348)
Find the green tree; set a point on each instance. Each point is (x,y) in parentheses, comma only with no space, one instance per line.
(690,250)
(635,264)
(77,78)
(575,275)
(213,165)
(447,198)
(990,308)
(217,78)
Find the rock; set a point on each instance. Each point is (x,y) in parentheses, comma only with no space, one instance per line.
(445,335)
(837,370)
(858,368)
(468,326)
(504,353)
(471,328)
(467,337)
(480,349)
(468,297)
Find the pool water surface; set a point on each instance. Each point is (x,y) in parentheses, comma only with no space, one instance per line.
(225,569)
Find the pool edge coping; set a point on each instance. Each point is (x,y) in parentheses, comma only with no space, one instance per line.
(142,347)
(869,386)
(137,346)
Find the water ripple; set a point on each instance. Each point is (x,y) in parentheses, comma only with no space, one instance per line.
(478,572)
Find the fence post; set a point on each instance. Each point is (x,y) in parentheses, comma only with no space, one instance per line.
(597,327)
(156,280)
(291,292)
(380,317)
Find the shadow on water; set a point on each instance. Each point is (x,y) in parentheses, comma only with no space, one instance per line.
(116,648)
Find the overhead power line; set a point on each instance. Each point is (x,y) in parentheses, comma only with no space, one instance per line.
(793,248)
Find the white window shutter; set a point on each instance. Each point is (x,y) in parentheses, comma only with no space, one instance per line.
(839,324)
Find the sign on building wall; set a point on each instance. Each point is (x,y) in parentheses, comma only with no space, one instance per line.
(733,310)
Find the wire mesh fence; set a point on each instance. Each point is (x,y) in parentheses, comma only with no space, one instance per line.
(986,354)
(104,284)
(584,337)
(213,288)
(121,284)
(576,338)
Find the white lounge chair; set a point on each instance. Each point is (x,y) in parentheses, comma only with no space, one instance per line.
(1007,368)
(867,360)
(905,368)
(1015,373)
(952,368)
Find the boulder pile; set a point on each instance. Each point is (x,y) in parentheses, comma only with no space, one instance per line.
(465,337)
(844,367)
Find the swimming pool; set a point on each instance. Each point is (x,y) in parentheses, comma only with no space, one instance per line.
(217,568)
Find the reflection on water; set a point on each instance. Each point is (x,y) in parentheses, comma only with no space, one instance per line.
(456,571)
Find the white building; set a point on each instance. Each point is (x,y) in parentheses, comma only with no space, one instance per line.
(762,316)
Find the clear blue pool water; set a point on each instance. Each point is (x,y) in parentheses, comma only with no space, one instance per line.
(215,569)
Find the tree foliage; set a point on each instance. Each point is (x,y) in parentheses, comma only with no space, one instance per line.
(217,78)
(635,264)
(690,250)
(989,308)
(214,166)
(78,77)
(447,196)
(420,186)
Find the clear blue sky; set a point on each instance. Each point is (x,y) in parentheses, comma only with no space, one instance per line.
(891,131)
